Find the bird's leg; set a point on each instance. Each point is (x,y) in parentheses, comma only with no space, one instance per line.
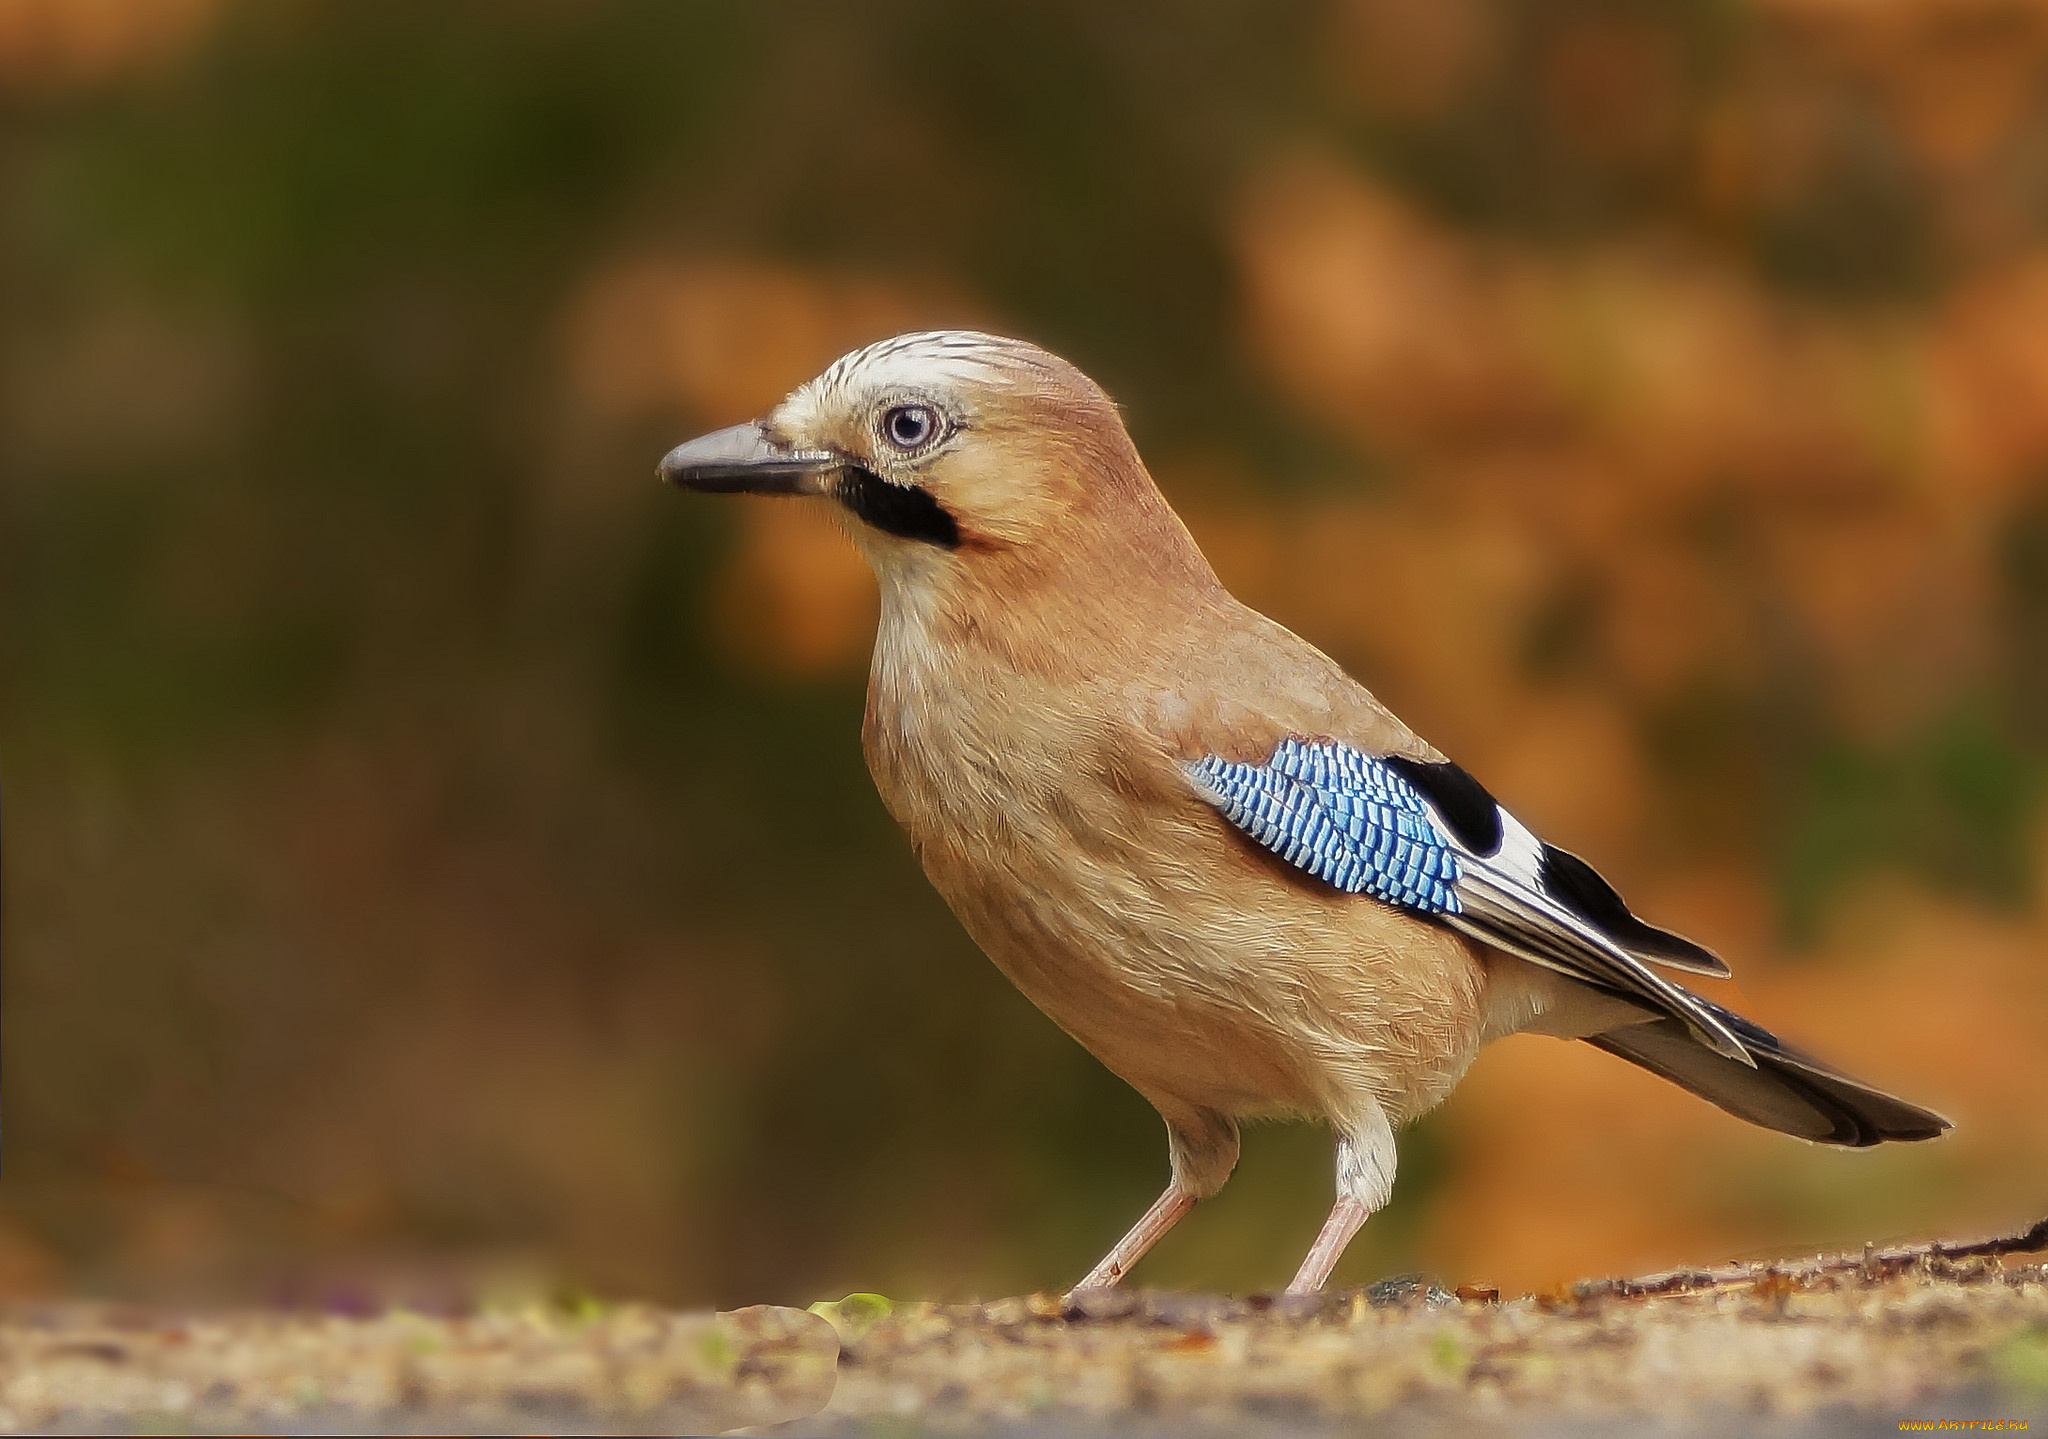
(1365,1179)
(1203,1144)
(1347,1215)
(1166,1211)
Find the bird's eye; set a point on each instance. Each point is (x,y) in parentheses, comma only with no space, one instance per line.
(910,427)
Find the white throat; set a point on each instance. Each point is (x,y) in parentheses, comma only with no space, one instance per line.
(908,658)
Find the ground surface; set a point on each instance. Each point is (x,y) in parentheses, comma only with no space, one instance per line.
(1852,1344)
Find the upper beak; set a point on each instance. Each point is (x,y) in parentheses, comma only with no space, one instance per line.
(742,459)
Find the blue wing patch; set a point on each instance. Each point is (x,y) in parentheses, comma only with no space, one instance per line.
(1345,817)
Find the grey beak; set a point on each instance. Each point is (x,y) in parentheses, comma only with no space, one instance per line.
(743,460)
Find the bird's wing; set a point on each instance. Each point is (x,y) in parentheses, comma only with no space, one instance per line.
(1425,836)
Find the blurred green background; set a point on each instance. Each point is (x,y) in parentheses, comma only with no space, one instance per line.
(440,866)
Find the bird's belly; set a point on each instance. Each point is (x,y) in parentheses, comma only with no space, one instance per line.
(1201,975)
(1167,1017)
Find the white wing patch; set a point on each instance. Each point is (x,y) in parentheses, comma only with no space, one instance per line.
(1504,903)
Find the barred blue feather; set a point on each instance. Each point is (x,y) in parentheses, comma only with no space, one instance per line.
(1341,815)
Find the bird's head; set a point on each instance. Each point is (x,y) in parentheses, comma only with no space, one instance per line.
(951,452)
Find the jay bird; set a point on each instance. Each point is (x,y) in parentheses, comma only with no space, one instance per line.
(1189,837)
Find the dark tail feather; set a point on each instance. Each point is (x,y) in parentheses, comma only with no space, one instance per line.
(1787,1091)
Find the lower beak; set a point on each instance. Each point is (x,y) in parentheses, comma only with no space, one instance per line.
(744,460)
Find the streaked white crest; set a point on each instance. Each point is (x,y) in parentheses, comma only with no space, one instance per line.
(931,361)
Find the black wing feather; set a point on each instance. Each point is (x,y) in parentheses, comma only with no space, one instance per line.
(1579,887)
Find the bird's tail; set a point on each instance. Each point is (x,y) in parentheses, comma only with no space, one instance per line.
(1787,1090)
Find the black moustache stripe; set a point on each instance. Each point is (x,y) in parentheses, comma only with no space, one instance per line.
(896,509)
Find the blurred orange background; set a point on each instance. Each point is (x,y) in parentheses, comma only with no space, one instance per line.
(439,864)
